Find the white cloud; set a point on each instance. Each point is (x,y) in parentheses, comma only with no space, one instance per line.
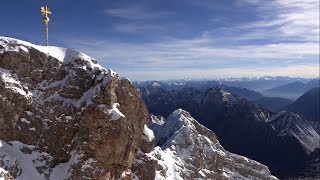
(135,13)
(288,30)
(188,53)
(137,27)
(139,19)
(294,19)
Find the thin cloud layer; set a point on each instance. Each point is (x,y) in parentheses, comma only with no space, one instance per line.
(279,37)
(289,18)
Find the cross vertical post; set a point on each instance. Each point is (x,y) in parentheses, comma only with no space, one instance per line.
(45,12)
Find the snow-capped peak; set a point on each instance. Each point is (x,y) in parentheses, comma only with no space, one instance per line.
(188,150)
(219,94)
(64,55)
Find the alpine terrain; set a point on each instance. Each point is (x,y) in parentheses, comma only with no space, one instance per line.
(283,141)
(63,116)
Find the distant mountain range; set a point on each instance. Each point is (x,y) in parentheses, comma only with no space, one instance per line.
(284,87)
(283,141)
(292,90)
(169,88)
(261,83)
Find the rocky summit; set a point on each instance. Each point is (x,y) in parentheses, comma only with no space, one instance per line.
(63,116)
(68,116)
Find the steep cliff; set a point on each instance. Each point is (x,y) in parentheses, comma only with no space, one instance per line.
(67,113)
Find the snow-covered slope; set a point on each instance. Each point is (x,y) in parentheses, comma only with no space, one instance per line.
(187,150)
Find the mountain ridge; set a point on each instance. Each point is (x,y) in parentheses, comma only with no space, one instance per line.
(240,125)
(180,139)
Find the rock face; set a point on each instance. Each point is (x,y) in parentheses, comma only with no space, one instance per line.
(70,116)
(187,150)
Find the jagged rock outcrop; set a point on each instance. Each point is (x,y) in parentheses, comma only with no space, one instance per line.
(73,117)
(187,150)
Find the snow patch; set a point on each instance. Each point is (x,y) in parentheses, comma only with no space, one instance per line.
(147,134)
(25,120)
(2,173)
(13,153)
(88,164)
(115,112)
(63,170)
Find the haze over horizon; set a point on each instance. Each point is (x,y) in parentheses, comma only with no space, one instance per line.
(159,40)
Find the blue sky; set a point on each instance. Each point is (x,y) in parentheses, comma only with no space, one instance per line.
(172,39)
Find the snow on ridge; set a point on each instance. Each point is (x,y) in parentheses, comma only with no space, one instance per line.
(183,136)
(291,123)
(65,55)
(10,44)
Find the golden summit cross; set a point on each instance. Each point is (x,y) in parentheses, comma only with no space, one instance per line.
(45,12)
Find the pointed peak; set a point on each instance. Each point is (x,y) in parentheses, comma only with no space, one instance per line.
(220,94)
(179,113)
(220,89)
